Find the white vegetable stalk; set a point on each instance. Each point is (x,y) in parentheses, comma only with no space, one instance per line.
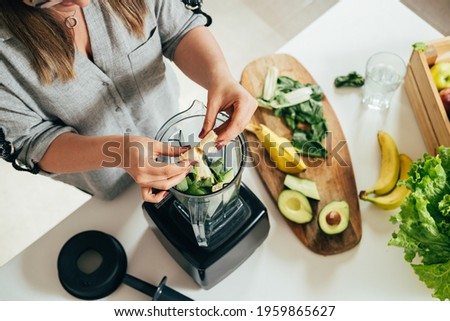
(270,83)
(196,154)
(294,97)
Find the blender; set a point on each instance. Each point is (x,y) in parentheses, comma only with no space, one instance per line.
(210,235)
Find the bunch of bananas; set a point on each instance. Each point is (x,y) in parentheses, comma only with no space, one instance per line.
(386,193)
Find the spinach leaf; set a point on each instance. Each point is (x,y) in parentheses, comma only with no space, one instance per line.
(353,79)
(303,116)
(306,119)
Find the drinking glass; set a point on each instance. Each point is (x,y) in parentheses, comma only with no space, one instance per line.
(384,74)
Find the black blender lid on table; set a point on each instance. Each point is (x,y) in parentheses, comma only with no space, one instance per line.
(111,272)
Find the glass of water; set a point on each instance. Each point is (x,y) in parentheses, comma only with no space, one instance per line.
(384,74)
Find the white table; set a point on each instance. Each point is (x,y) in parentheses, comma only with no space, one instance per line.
(281,268)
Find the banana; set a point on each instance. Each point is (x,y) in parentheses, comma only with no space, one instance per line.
(390,165)
(196,154)
(395,198)
(279,148)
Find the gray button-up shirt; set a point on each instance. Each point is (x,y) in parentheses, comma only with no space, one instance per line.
(127,88)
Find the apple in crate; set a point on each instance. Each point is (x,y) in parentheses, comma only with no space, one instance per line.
(445,97)
(441,74)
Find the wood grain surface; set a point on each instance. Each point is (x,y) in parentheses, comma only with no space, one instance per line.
(334,175)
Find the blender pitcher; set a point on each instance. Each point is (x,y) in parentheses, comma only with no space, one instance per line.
(208,214)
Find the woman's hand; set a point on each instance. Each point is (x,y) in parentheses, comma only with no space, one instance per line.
(199,56)
(70,153)
(230,97)
(139,160)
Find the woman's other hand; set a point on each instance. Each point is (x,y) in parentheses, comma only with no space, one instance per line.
(70,153)
(140,161)
(230,97)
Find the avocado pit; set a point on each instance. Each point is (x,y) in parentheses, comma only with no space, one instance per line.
(333,218)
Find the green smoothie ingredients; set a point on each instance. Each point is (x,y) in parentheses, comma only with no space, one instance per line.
(301,107)
(353,79)
(196,183)
(294,206)
(206,176)
(424,221)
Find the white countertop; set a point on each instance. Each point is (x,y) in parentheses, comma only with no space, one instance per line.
(282,268)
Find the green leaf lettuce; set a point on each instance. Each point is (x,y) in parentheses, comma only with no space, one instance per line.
(424,221)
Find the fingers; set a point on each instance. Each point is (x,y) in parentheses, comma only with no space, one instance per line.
(237,103)
(159,171)
(148,196)
(236,124)
(166,184)
(169,150)
(210,118)
(232,130)
(223,127)
(163,186)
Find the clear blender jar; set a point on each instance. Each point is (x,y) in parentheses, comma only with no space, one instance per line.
(213,214)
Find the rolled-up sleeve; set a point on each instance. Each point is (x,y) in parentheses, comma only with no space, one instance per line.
(174,21)
(28,132)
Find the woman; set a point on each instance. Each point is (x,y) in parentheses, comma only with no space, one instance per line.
(76,76)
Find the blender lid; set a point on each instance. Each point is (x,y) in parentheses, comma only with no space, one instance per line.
(105,279)
(111,272)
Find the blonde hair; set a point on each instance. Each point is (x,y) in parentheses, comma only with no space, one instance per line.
(51,44)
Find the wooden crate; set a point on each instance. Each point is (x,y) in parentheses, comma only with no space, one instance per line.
(424,96)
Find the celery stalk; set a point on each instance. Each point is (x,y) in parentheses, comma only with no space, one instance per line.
(294,97)
(270,83)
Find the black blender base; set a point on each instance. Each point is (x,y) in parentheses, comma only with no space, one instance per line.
(208,265)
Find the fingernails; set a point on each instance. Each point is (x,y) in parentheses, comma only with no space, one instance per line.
(165,193)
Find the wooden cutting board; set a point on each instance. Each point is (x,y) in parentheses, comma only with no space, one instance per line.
(334,176)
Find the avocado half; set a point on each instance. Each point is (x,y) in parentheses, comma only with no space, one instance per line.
(334,217)
(294,206)
(303,185)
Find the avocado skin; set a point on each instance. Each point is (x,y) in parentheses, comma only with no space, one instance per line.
(343,209)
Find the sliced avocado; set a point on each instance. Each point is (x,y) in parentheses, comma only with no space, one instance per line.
(217,166)
(194,189)
(303,185)
(228,176)
(183,185)
(334,217)
(206,182)
(295,206)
